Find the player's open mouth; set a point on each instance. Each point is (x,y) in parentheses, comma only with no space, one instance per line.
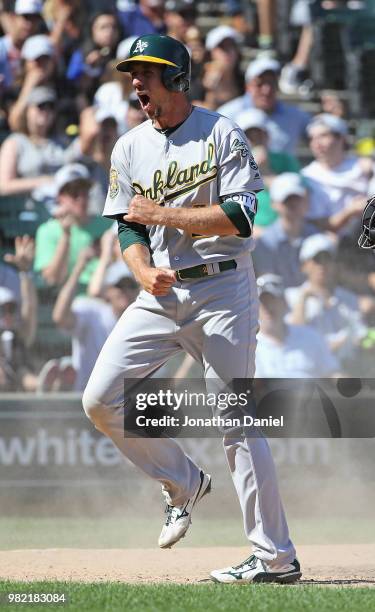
(144,100)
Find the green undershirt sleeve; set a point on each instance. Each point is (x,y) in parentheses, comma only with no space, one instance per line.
(236,215)
(131,233)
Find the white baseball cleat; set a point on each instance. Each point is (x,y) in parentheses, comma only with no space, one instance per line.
(179,517)
(254,569)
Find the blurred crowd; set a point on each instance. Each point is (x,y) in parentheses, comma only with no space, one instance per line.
(63,282)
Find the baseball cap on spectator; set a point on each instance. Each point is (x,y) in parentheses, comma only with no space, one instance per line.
(115,272)
(102,113)
(123,48)
(36,46)
(41,95)
(331,122)
(259,66)
(216,36)
(7,296)
(318,243)
(270,283)
(70,173)
(252,118)
(286,185)
(28,7)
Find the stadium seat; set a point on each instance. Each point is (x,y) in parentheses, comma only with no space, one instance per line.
(19,215)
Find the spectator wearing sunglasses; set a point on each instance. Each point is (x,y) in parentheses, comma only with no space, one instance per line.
(30,157)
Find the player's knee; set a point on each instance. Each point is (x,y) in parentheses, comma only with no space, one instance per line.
(93,407)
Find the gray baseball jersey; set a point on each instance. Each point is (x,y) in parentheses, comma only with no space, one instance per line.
(204,160)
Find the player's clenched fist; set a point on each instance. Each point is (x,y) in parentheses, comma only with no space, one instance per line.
(156,281)
(145,211)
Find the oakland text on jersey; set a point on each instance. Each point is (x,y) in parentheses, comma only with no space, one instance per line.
(186,178)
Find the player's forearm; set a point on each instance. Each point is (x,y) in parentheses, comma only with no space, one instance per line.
(208,220)
(137,258)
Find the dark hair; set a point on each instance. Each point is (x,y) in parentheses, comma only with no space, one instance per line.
(98,14)
(76,186)
(88,44)
(127,283)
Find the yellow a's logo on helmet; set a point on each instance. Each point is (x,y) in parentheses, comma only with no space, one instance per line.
(140,46)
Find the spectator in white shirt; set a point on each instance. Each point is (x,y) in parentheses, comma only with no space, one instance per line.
(339,181)
(277,250)
(285,350)
(286,123)
(320,303)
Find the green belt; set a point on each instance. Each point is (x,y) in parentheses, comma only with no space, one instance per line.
(205,270)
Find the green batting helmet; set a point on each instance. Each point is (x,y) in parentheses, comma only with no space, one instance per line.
(164,50)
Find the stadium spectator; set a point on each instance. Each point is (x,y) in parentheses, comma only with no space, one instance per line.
(65,20)
(222,77)
(320,303)
(334,103)
(338,181)
(97,136)
(89,320)
(60,240)
(254,123)
(286,350)
(266,18)
(179,16)
(147,17)
(88,63)
(278,248)
(9,278)
(198,54)
(244,19)
(287,124)
(18,322)
(25,22)
(113,95)
(293,75)
(30,158)
(38,55)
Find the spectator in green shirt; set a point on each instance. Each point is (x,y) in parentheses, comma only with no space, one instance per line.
(60,240)
(271,163)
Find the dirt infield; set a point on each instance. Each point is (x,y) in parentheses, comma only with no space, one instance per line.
(338,564)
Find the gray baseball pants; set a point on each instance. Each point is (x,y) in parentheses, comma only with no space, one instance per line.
(215,319)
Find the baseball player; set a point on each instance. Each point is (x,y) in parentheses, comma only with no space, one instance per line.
(183,188)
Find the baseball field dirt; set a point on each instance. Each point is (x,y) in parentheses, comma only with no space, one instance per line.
(324,564)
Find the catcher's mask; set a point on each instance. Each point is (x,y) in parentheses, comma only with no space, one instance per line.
(164,50)
(367,237)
